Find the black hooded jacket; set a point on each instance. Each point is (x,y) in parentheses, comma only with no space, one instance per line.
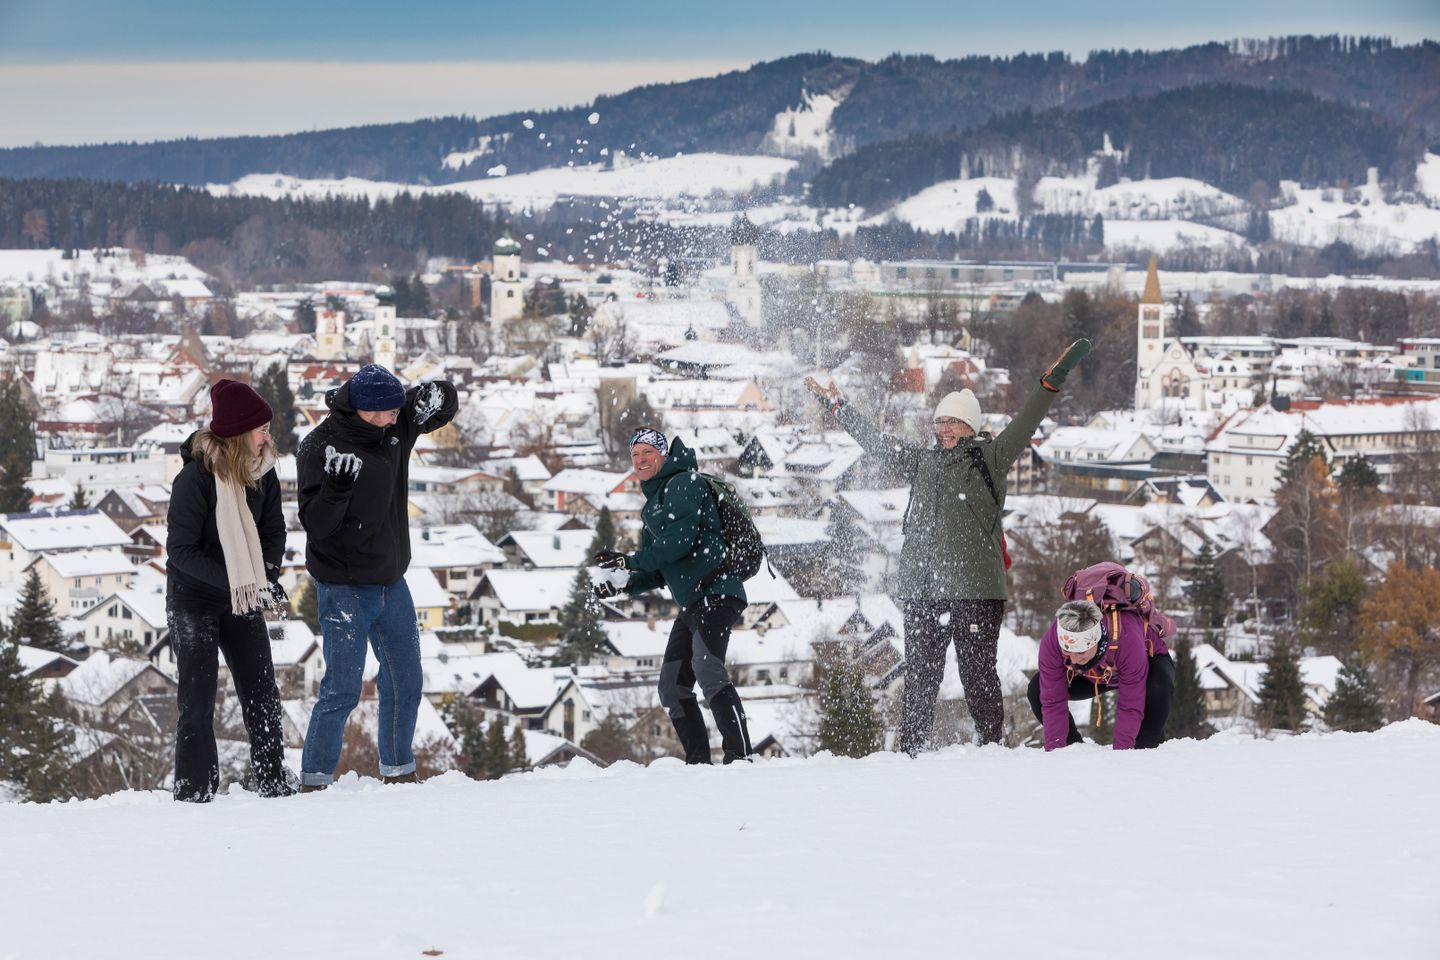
(196,562)
(360,533)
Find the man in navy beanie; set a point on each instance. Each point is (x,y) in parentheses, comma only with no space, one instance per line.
(354,472)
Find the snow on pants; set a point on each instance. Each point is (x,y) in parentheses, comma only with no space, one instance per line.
(1159,694)
(696,653)
(931,626)
(200,629)
(353,615)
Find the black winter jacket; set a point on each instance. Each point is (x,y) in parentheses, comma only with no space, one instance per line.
(196,564)
(360,533)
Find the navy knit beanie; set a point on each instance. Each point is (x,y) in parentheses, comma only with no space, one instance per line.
(375,388)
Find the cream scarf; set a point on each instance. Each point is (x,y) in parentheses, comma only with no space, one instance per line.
(239,540)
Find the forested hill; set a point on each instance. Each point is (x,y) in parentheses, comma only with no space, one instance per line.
(1234,137)
(895,99)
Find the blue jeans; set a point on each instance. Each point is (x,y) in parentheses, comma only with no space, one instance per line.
(351,614)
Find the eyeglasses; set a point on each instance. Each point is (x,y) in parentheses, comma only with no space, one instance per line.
(947,422)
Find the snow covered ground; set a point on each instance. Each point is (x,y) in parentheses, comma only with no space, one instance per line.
(690,175)
(1311,847)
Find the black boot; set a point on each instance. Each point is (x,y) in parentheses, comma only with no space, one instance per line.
(690,728)
(730,721)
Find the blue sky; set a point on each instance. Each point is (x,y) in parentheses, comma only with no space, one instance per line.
(86,70)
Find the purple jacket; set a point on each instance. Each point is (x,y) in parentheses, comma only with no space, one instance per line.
(1127,664)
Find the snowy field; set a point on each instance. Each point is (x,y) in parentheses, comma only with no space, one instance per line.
(1314,847)
(690,175)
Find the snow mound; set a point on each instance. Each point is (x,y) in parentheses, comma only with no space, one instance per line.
(1310,847)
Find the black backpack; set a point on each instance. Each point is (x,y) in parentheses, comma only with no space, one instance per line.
(744,550)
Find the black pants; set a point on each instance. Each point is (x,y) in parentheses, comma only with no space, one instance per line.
(973,626)
(696,653)
(198,630)
(1159,693)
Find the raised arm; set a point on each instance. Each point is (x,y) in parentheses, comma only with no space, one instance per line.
(1017,434)
(894,452)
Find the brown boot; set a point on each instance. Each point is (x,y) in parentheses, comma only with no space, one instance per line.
(402,778)
(312,787)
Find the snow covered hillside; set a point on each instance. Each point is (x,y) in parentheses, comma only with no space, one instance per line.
(1314,847)
(692,175)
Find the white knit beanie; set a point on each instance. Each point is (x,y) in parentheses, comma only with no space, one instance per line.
(961,405)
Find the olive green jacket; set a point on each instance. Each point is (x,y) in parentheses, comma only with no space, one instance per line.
(952,525)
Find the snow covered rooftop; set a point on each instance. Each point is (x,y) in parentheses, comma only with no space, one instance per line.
(63,530)
(88,563)
(100,676)
(520,590)
(558,548)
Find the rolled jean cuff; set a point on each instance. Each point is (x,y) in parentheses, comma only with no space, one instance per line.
(396,769)
(316,779)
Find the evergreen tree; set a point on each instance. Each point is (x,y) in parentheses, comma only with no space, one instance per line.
(17,447)
(34,622)
(983,201)
(605,538)
(304,316)
(1187,711)
(1355,705)
(307,604)
(497,751)
(516,488)
(1206,590)
(1358,473)
(470,734)
(519,759)
(1307,447)
(1282,691)
(844,554)
(849,723)
(1330,607)
(274,386)
(581,636)
(34,743)
(80,501)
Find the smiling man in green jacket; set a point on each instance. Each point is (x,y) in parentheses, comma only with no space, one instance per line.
(681,548)
(952,570)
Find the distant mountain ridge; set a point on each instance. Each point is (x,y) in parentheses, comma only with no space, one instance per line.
(918,99)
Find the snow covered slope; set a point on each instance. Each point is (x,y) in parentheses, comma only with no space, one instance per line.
(691,175)
(1312,847)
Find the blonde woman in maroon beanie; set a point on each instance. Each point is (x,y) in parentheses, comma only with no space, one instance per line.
(226,540)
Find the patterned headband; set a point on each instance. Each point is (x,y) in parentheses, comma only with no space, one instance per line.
(651,438)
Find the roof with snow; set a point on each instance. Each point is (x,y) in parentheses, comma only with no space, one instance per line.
(452,545)
(558,548)
(100,677)
(87,563)
(63,530)
(425,590)
(531,589)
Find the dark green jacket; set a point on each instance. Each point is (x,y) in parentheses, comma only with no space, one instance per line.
(680,541)
(952,525)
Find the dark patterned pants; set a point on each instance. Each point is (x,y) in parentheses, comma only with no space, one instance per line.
(973,626)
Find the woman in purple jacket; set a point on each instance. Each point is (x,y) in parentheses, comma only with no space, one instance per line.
(1079,660)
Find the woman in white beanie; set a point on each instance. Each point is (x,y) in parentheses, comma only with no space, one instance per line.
(952,571)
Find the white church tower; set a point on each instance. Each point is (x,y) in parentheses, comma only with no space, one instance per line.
(507,286)
(329,333)
(743,290)
(384,331)
(1151,332)
(1167,378)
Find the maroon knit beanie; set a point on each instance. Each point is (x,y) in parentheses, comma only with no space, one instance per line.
(235,409)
